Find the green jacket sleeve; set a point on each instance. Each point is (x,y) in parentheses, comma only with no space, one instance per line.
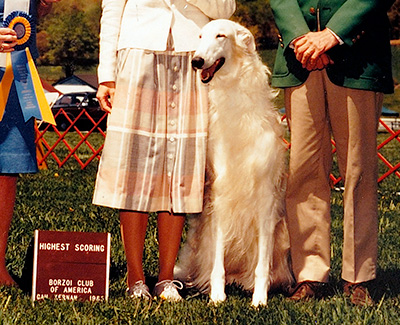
(354,16)
(289,19)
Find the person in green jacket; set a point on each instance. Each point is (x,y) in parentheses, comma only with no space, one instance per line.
(334,63)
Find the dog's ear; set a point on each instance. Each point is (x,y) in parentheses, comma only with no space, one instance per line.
(246,39)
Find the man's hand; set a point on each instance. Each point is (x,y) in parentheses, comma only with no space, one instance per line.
(310,48)
(321,63)
(105,95)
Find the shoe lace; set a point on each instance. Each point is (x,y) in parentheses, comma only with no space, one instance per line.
(139,289)
(171,287)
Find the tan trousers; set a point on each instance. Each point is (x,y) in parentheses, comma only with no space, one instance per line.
(316,110)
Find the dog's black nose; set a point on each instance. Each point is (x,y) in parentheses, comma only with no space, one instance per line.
(197,62)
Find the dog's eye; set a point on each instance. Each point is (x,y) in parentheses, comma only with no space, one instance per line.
(221,36)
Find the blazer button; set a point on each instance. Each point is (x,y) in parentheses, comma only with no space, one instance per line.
(312,11)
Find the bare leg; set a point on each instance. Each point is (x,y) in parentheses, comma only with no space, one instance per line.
(8,186)
(133,231)
(170,228)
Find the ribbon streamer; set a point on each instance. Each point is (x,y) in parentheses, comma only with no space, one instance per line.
(21,69)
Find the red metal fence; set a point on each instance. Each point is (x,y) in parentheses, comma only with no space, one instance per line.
(47,150)
(393,138)
(87,144)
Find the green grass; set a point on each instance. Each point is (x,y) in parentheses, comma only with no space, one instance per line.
(60,199)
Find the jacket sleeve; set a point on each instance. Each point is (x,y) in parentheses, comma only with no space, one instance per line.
(289,19)
(215,9)
(109,31)
(355,15)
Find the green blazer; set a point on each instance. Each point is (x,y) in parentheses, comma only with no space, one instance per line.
(362,62)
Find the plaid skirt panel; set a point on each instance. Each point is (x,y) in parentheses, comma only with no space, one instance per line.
(154,153)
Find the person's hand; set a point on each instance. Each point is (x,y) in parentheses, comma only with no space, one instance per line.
(105,95)
(309,48)
(8,39)
(321,63)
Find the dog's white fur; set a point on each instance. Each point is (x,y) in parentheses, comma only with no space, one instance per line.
(241,236)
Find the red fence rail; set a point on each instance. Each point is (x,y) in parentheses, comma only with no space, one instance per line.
(46,150)
(393,138)
(61,150)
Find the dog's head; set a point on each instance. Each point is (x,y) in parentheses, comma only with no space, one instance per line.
(220,41)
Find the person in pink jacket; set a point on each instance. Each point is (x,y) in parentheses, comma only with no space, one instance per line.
(154,153)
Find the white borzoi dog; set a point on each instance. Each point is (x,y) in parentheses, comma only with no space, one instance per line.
(241,236)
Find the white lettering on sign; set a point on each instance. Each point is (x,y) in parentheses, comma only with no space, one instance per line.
(41,296)
(60,282)
(85,290)
(85,283)
(96,298)
(54,246)
(54,289)
(65,297)
(89,248)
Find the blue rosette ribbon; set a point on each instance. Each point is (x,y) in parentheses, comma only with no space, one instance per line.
(21,69)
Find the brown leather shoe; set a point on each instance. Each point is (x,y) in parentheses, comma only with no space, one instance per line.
(358,293)
(306,290)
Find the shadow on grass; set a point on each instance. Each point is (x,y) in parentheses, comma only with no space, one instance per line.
(387,284)
(25,281)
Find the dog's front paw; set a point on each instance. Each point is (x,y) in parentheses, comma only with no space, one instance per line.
(217,296)
(259,299)
(217,299)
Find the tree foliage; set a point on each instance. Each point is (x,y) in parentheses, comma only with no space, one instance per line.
(257,16)
(69,35)
(394,17)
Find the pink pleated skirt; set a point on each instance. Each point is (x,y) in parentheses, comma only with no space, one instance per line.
(155,148)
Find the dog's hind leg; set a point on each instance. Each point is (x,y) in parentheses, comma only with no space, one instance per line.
(263,268)
(217,280)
